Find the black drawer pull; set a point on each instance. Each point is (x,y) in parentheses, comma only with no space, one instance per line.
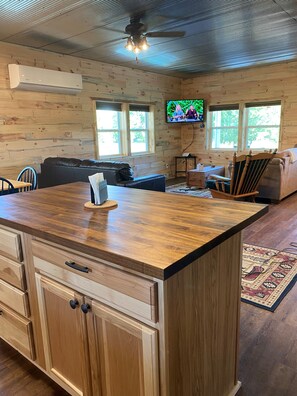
(74,303)
(85,308)
(77,267)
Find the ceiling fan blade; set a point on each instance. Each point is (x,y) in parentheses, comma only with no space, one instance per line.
(165,34)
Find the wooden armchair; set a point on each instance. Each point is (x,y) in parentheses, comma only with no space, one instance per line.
(246,173)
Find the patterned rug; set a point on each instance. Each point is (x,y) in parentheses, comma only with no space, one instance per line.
(267,276)
(182,188)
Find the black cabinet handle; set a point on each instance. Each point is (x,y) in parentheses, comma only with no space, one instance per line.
(73,303)
(72,264)
(85,308)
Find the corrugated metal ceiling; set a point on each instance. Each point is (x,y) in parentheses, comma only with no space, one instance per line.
(219,35)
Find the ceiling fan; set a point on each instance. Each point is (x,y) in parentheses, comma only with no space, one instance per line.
(136,30)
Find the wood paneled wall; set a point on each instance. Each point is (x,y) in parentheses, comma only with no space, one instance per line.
(265,83)
(36,125)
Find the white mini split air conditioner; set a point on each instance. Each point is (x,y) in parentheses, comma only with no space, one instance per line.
(43,80)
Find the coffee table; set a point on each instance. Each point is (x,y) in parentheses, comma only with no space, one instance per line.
(198,178)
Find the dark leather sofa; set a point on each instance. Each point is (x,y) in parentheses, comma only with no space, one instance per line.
(59,170)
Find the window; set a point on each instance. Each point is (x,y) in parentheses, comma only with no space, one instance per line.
(224,126)
(262,125)
(124,129)
(109,128)
(139,130)
(243,126)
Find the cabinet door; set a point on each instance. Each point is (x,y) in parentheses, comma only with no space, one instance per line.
(126,354)
(64,335)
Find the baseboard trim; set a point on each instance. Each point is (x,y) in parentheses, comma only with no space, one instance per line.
(235,389)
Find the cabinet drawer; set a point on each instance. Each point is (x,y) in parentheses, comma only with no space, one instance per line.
(10,244)
(111,285)
(17,331)
(14,298)
(12,272)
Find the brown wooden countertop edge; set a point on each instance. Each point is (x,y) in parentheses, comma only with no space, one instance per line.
(177,266)
(142,268)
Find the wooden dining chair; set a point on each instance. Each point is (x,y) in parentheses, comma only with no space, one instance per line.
(246,173)
(29,175)
(6,187)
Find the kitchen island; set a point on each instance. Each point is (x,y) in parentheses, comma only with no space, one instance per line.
(140,299)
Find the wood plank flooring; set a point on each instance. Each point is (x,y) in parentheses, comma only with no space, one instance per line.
(268,341)
(19,377)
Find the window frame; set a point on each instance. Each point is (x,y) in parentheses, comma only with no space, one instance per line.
(117,130)
(210,127)
(146,110)
(246,126)
(242,123)
(125,130)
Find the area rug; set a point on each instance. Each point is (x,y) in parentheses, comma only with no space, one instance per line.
(267,276)
(182,188)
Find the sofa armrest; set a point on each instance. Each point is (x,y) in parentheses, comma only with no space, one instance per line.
(270,185)
(150,182)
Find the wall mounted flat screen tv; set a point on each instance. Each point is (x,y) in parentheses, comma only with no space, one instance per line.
(187,110)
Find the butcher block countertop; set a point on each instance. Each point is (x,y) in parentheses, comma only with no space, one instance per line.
(154,233)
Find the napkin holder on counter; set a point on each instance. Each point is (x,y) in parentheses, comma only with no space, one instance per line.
(102,195)
(99,193)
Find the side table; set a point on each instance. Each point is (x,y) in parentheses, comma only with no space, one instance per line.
(198,178)
(186,163)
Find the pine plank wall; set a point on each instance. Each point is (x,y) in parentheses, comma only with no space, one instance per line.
(36,125)
(262,83)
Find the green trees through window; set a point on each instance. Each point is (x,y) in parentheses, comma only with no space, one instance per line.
(139,131)
(262,126)
(225,128)
(244,126)
(124,129)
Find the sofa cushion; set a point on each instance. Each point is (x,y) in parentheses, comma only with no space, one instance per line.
(62,161)
(123,168)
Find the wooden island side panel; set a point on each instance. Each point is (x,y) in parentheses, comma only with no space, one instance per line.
(201,324)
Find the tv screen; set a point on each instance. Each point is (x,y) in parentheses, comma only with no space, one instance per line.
(188,110)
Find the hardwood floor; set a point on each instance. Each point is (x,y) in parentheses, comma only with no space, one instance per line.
(19,377)
(268,341)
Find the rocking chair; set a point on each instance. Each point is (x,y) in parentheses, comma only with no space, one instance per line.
(246,173)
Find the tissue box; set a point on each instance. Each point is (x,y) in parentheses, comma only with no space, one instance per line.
(102,196)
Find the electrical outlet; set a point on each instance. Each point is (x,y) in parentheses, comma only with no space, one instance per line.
(167,166)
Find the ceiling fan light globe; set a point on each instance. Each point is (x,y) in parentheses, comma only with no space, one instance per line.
(136,49)
(144,44)
(129,46)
